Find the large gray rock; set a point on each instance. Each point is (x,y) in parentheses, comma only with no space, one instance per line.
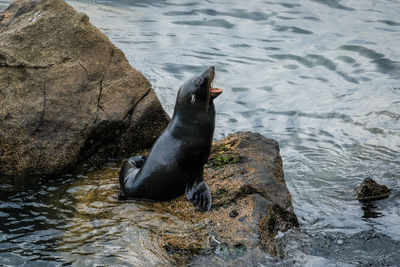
(67,93)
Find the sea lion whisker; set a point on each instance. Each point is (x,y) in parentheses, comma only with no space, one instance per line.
(213,80)
(208,97)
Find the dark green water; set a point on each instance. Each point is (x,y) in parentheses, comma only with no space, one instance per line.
(320,77)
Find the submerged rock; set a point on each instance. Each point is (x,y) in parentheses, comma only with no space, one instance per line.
(67,93)
(369,190)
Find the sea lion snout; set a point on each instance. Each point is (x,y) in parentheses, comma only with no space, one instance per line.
(198,91)
(209,74)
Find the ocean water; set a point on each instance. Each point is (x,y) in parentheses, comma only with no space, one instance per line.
(320,77)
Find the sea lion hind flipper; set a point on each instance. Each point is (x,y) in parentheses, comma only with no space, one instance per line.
(200,196)
(138,160)
(128,174)
(132,165)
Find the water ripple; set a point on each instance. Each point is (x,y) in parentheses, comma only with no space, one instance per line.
(333,4)
(293,29)
(236,13)
(321,77)
(384,65)
(209,23)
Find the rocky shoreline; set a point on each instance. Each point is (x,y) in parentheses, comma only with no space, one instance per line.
(69,96)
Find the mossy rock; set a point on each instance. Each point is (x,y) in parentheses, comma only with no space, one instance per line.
(222,155)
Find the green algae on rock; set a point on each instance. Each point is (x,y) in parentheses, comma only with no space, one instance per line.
(222,155)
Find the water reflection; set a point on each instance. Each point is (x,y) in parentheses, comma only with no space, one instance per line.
(370,210)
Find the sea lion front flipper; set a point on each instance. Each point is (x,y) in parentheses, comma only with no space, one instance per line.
(138,161)
(200,196)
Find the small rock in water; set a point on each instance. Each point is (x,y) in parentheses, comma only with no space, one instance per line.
(369,190)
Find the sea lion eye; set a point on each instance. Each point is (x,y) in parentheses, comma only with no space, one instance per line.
(201,81)
(193,99)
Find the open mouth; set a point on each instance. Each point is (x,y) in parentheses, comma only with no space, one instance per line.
(214,92)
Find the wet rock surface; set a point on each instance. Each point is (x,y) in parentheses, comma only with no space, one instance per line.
(67,94)
(369,190)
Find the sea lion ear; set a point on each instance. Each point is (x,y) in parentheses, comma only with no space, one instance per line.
(193,99)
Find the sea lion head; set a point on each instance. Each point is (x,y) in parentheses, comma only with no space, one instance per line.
(198,91)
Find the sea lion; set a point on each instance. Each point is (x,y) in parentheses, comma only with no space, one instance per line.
(175,163)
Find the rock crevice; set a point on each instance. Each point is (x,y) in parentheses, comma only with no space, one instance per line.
(101,87)
(131,111)
(43,110)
